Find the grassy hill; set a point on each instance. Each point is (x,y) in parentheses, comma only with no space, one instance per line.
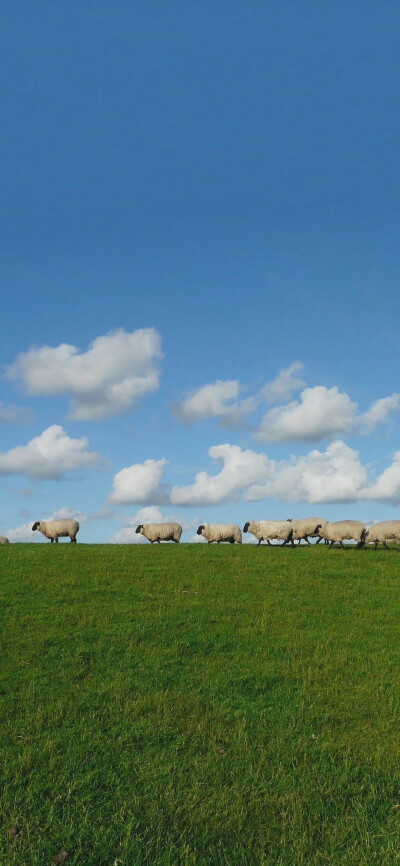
(199,705)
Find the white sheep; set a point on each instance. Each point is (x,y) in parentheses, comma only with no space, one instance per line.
(267,530)
(160,531)
(306,527)
(4,540)
(55,529)
(220,532)
(343,530)
(388,530)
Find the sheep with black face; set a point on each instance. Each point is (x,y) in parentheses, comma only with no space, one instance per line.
(160,532)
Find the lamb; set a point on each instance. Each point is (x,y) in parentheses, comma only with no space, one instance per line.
(389,530)
(55,529)
(305,527)
(160,531)
(266,530)
(343,530)
(4,540)
(220,532)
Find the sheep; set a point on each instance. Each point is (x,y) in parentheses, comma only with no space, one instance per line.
(389,530)
(55,529)
(265,530)
(305,527)
(160,531)
(343,530)
(4,540)
(220,532)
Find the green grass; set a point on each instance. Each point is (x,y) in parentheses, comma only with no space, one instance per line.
(200,705)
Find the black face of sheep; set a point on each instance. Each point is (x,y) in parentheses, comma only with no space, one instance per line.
(35,525)
(200,529)
(246,527)
(317,528)
(138,528)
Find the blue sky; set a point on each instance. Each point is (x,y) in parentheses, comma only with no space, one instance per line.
(199,246)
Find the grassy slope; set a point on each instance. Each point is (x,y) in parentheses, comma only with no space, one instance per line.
(200,705)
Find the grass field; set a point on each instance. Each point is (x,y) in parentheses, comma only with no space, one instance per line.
(191,705)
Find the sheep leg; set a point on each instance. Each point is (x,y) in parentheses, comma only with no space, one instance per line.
(319,539)
(259,542)
(385,545)
(331,544)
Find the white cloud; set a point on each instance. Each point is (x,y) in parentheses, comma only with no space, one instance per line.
(13,414)
(335,475)
(66,512)
(49,455)
(23,534)
(323,412)
(216,400)
(285,384)
(240,469)
(139,483)
(320,412)
(378,412)
(115,372)
(387,486)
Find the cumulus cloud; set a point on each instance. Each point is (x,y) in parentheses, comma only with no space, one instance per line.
(240,469)
(216,400)
(285,384)
(387,486)
(67,513)
(116,370)
(323,412)
(320,412)
(331,476)
(334,475)
(50,455)
(23,534)
(140,483)
(379,412)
